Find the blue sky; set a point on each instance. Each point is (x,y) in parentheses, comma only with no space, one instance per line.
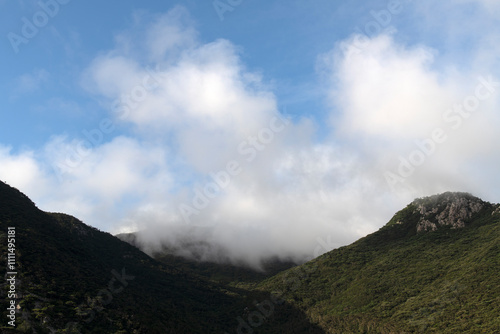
(324,116)
(279,39)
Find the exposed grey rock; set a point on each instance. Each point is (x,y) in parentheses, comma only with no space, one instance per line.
(448,209)
(425,225)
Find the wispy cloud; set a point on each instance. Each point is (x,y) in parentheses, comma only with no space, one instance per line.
(31,82)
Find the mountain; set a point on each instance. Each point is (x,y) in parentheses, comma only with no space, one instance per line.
(432,269)
(73,278)
(72,275)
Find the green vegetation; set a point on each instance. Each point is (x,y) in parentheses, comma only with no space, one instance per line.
(72,276)
(399,281)
(443,279)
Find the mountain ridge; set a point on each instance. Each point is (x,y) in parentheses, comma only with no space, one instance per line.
(73,278)
(399,279)
(402,280)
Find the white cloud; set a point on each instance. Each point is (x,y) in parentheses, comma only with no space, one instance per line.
(97,186)
(107,177)
(391,98)
(390,91)
(170,34)
(211,110)
(22,171)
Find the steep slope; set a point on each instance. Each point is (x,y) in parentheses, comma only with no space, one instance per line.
(433,268)
(72,275)
(72,278)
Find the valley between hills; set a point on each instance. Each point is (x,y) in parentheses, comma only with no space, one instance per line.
(433,268)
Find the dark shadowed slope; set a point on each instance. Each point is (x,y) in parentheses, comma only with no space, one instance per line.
(74,278)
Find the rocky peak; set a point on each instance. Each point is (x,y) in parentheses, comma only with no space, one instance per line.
(448,209)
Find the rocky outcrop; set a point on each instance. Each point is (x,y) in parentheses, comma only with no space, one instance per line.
(497,210)
(448,209)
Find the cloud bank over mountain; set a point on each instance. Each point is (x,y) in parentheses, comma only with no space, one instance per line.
(209,157)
